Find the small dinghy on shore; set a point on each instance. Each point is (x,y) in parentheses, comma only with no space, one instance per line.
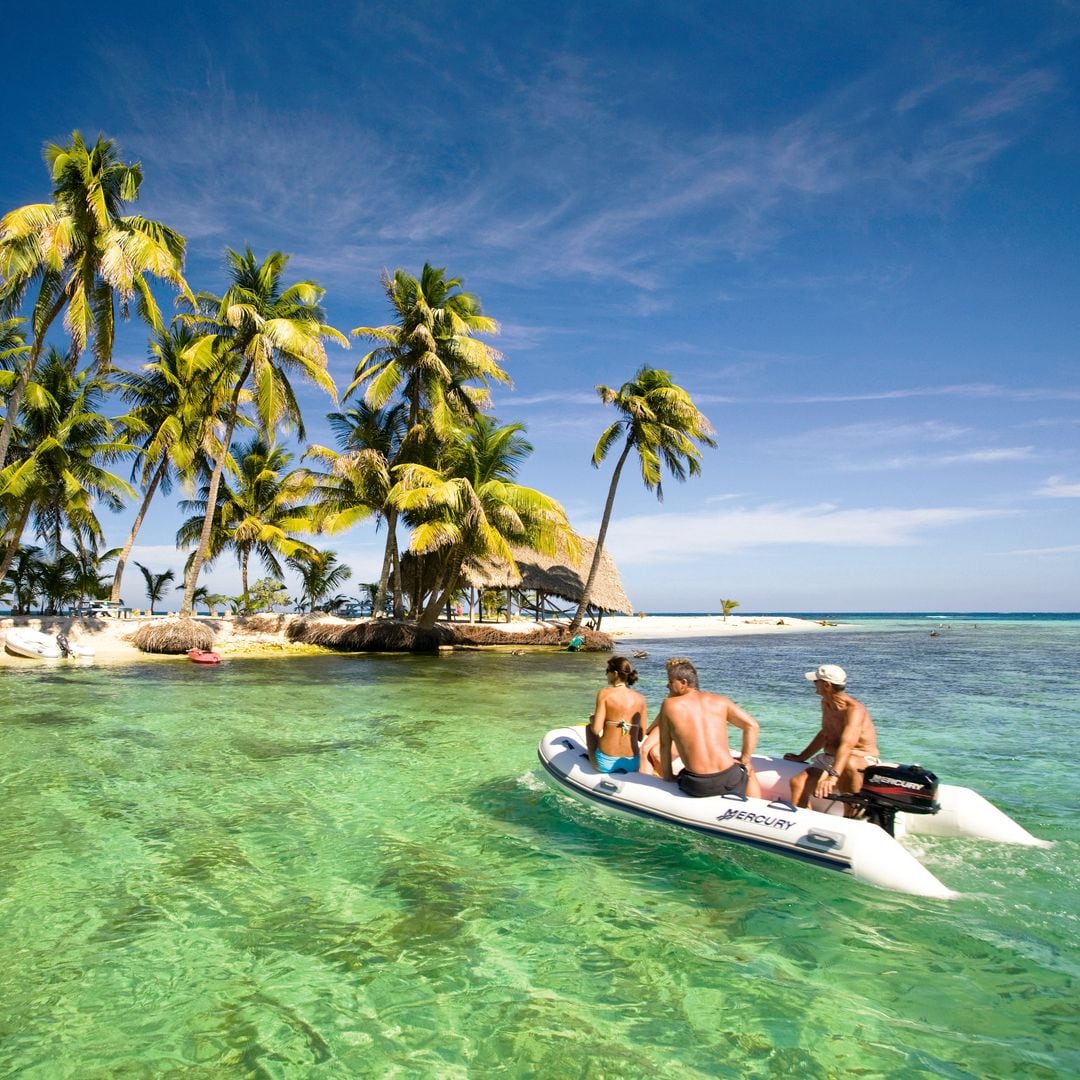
(900,799)
(201,656)
(32,644)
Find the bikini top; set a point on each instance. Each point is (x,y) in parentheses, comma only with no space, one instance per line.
(623,725)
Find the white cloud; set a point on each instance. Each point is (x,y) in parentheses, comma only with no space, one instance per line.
(1058,488)
(679,537)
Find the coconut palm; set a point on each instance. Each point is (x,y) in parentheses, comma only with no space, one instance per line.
(429,356)
(58,477)
(155,584)
(471,508)
(359,481)
(24,577)
(177,407)
(13,345)
(83,255)
(320,573)
(661,422)
(260,330)
(728,606)
(256,513)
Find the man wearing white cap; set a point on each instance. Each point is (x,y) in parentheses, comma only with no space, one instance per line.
(842,749)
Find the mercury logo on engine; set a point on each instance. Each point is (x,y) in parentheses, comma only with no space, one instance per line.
(892,781)
(757,819)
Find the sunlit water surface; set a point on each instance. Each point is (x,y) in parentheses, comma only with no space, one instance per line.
(351,866)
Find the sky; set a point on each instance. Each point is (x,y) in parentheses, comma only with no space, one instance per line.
(849,230)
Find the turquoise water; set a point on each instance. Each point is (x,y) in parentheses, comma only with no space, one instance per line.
(351,866)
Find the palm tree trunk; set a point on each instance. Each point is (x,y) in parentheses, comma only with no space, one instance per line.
(244,553)
(13,543)
(14,403)
(199,558)
(439,597)
(399,600)
(136,525)
(586,595)
(379,603)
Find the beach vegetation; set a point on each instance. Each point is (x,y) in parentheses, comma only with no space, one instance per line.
(471,508)
(155,583)
(260,330)
(660,422)
(176,411)
(728,606)
(260,509)
(320,573)
(57,475)
(85,257)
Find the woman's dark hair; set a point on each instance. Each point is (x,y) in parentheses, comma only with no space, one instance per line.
(624,669)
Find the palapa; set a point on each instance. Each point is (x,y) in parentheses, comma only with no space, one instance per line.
(173,636)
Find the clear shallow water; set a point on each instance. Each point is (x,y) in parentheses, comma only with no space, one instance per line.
(352,867)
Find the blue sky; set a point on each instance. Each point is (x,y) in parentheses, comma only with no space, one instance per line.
(850,230)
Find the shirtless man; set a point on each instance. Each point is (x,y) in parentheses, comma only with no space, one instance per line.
(614,733)
(845,745)
(695,723)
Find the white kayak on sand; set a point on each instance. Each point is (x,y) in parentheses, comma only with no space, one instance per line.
(821,836)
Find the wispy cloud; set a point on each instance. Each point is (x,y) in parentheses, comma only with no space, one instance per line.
(1067,549)
(680,537)
(941,461)
(1056,487)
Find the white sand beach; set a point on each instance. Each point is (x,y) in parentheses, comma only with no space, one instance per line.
(629,627)
(108,637)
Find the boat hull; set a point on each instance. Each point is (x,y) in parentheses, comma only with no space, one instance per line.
(31,644)
(826,840)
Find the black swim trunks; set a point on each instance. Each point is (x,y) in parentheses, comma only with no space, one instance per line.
(701,785)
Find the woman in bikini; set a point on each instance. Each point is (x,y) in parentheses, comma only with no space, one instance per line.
(615,730)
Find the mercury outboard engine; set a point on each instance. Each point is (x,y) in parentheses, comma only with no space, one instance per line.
(63,644)
(889,788)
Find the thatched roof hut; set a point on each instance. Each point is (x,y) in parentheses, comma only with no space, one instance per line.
(173,636)
(555,576)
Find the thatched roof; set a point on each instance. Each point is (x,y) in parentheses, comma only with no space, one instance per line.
(173,636)
(556,576)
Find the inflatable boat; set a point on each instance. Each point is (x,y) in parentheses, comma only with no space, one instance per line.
(899,800)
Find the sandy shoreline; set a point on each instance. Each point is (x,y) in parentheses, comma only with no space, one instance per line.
(109,637)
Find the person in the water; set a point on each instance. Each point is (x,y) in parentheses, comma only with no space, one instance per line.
(616,728)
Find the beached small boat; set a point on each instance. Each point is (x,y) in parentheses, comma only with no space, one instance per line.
(31,643)
(201,656)
(39,646)
(823,836)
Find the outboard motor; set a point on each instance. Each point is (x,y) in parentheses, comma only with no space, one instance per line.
(63,644)
(889,788)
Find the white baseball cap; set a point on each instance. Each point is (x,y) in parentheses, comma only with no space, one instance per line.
(830,673)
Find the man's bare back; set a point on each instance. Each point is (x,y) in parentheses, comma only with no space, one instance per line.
(695,723)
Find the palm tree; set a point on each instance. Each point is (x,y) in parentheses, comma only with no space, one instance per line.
(430,356)
(728,607)
(262,331)
(83,254)
(24,577)
(470,508)
(12,343)
(155,584)
(259,514)
(360,480)
(320,573)
(661,422)
(59,476)
(175,403)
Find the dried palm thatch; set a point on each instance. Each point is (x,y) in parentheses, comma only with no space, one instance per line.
(388,635)
(174,636)
(555,575)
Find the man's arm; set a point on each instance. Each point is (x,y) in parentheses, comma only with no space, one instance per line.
(848,738)
(740,718)
(665,743)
